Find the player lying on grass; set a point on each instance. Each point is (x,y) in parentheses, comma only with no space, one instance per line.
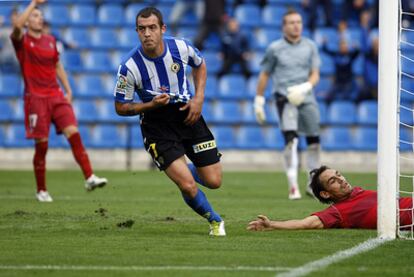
(350,207)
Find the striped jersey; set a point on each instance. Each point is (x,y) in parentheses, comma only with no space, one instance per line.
(149,77)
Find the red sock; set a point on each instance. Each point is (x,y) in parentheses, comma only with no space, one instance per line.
(39,165)
(80,154)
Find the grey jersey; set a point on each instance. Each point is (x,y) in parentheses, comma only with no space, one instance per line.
(290,64)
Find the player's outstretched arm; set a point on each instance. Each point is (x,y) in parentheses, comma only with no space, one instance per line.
(132,108)
(18,26)
(262,223)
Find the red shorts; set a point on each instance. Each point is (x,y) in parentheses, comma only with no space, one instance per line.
(41,111)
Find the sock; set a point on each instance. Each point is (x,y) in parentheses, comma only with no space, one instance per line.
(312,158)
(193,170)
(201,206)
(80,154)
(39,165)
(292,163)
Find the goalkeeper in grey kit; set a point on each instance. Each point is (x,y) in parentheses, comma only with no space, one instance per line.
(293,64)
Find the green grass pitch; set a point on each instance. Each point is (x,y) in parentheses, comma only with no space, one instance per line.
(91,234)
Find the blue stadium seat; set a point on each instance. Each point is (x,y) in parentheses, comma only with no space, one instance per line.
(250,137)
(128,38)
(18,110)
(166,10)
(342,113)
(252,85)
(367,113)
(131,12)
(254,62)
(406,139)
(406,113)
(272,15)
(358,65)
(109,84)
(272,116)
(407,65)
(213,42)
(248,15)
(247,113)
(224,136)
(108,136)
(407,89)
(226,112)
(107,113)
(232,86)
(136,136)
(85,111)
(2,136)
(57,141)
(273,138)
(211,87)
(110,15)
(98,62)
(207,111)
(323,88)
(79,36)
(264,37)
(6,111)
(187,32)
(336,139)
(83,15)
(72,60)
(85,133)
(104,38)
(10,85)
(213,62)
(323,112)
(16,137)
(89,86)
(327,65)
(56,15)
(365,139)
(328,35)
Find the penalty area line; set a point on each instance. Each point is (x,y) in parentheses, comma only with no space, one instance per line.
(334,258)
(142,268)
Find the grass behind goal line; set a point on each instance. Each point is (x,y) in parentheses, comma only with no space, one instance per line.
(140,220)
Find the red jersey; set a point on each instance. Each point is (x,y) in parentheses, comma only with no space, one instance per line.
(360,211)
(38,58)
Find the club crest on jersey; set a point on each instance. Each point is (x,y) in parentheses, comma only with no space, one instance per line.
(204,146)
(122,82)
(175,67)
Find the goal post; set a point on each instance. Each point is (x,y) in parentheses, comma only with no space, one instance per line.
(388,117)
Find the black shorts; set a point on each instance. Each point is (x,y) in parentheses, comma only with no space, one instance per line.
(167,138)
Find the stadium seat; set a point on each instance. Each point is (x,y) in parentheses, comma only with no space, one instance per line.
(254,62)
(327,65)
(226,112)
(224,136)
(407,89)
(252,86)
(328,35)
(406,114)
(18,110)
(89,86)
(85,133)
(232,86)
(250,137)
(407,65)
(109,83)
(10,85)
(131,12)
(83,15)
(110,15)
(323,112)
(57,141)
(85,111)
(104,38)
(406,142)
(358,65)
(187,32)
(264,37)
(6,111)
(272,15)
(2,136)
(207,111)
(336,139)
(98,62)
(211,87)
(342,113)
(367,113)
(247,113)
(72,60)
(56,15)
(15,136)
(248,15)
(136,136)
(323,88)
(128,38)
(108,136)
(365,139)
(107,113)
(273,138)
(213,62)
(166,10)
(79,36)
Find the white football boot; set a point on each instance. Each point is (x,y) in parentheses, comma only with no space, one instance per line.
(44,196)
(94,182)
(217,229)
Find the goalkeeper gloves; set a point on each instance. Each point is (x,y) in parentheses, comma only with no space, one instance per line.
(296,94)
(258,105)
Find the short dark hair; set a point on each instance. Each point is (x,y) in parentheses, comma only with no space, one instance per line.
(147,12)
(317,185)
(287,13)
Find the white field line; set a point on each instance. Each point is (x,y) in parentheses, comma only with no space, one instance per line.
(334,258)
(141,268)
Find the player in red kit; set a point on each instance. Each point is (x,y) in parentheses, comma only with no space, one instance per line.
(351,207)
(44,100)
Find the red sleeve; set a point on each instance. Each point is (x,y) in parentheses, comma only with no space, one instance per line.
(17,43)
(330,217)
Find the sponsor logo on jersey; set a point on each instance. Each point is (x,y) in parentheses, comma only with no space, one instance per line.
(204,146)
(175,67)
(122,83)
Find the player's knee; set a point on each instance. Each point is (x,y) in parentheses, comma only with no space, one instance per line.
(213,181)
(188,188)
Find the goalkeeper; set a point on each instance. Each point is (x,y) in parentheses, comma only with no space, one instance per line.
(293,64)
(351,207)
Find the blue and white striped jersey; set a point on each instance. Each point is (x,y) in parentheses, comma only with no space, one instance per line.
(149,77)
